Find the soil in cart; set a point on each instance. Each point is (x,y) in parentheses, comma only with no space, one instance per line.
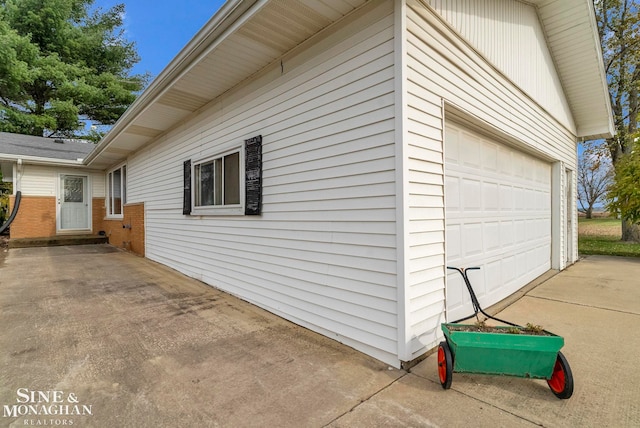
(481,327)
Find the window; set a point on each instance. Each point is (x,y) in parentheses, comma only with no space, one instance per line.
(227,183)
(217,181)
(116,191)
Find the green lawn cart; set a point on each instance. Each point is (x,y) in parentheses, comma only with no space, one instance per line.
(509,350)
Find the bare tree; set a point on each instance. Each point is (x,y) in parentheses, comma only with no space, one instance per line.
(594,177)
(619,30)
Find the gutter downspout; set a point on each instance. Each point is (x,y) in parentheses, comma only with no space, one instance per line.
(18,176)
(14,212)
(17,191)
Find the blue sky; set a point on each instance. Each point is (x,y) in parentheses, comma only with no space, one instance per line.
(161,28)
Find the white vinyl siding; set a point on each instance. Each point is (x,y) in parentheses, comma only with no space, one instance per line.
(322,253)
(449,67)
(444,68)
(41,180)
(510,36)
(36,180)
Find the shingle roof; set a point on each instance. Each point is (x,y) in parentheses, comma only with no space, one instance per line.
(28,145)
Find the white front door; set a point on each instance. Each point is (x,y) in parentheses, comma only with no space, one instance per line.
(73,203)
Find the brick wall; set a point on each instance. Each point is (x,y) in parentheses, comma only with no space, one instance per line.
(135,213)
(36,217)
(98,213)
(127,233)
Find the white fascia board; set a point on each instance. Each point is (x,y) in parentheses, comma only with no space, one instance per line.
(37,160)
(609,128)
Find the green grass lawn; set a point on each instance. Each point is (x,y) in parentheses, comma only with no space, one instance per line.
(602,236)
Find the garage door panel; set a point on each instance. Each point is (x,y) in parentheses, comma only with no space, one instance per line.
(506,233)
(471,239)
(498,210)
(470,151)
(518,165)
(452,154)
(524,260)
(506,197)
(508,269)
(520,199)
(471,195)
(529,169)
(521,230)
(541,201)
(491,236)
(493,270)
(490,192)
(505,161)
(490,157)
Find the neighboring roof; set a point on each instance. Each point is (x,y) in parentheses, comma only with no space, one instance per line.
(245,36)
(43,150)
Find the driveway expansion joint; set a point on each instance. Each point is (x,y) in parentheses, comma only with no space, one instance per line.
(584,305)
(337,418)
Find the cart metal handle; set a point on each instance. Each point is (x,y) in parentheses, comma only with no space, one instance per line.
(474,298)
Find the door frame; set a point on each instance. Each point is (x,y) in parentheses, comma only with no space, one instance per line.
(60,193)
(569,219)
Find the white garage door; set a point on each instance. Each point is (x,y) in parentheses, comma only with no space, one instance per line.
(498,211)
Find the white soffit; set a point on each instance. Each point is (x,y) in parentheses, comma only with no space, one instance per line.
(571,31)
(245,36)
(242,38)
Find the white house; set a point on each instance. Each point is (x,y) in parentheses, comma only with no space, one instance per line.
(327,159)
(58,187)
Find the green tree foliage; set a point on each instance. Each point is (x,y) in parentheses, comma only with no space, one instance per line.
(624,192)
(619,29)
(62,61)
(618,26)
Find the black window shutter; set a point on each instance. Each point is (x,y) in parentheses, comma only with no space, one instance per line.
(253,175)
(186,200)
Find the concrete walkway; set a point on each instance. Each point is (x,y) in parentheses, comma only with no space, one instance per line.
(130,343)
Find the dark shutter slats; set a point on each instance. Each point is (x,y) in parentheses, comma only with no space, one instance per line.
(253,176)
(186,200)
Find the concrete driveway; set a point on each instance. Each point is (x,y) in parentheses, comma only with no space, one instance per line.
(103,338)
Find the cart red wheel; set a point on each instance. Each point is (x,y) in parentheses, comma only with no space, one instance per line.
(445,365)
(561,382)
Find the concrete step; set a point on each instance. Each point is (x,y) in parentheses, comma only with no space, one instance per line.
(57,240)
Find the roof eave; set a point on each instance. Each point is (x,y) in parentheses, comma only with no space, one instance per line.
(117,145)
(224,19)
(594,120)
(606,130)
